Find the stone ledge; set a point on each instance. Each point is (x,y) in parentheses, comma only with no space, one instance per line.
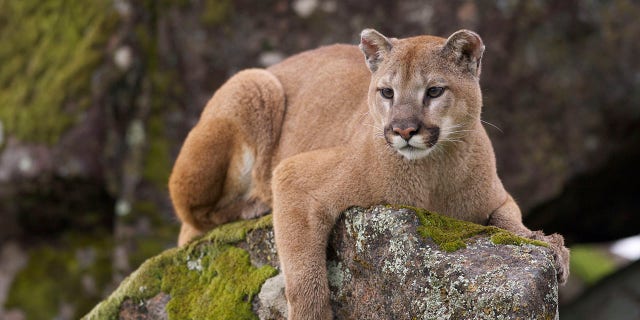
(380,267)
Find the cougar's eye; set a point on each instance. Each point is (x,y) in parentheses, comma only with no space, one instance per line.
(386,93)
(435,92)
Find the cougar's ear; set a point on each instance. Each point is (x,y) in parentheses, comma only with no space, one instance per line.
(375,47)
(465,48)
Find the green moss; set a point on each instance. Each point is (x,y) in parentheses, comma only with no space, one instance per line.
(237,231)
(590,263)
(49,51)
(504,237)
(141,284)
(224,288)
(451,234)
(208,278)
(73,272)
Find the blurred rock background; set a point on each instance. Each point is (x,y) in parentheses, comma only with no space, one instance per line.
(97,96)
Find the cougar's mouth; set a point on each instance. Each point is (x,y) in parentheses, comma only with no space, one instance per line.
(413,152)
(418,146)
(415,148)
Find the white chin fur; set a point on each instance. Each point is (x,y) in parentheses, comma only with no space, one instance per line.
(413,150)
(414,153)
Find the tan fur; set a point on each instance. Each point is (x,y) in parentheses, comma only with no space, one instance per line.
(322,139)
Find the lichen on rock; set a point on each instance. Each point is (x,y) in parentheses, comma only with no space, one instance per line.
(397,263)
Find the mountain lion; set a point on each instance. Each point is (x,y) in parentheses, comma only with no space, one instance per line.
(324,130)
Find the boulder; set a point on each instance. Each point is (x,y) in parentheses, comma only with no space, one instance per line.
(384,262)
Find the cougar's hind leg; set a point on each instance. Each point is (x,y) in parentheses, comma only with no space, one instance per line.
(223,170)
(259,101)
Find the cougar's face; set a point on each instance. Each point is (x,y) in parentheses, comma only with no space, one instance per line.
(414,108)
(420,100)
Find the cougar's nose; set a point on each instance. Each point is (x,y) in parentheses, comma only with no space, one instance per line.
(405,133)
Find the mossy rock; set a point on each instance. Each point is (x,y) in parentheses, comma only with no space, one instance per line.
(398,262)
(210,276)
(382,261)
(451,234)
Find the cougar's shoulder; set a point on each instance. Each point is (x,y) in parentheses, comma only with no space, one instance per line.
(326,98)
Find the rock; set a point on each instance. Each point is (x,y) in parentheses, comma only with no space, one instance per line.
(385,269)
(271,302)
(210,276)
(150,309)
(381,265)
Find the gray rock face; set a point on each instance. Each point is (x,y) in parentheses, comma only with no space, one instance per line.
(271,301)
(383,269)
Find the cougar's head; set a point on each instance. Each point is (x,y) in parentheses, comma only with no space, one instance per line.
(424,91)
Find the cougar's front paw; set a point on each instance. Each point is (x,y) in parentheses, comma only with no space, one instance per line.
(560,253)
